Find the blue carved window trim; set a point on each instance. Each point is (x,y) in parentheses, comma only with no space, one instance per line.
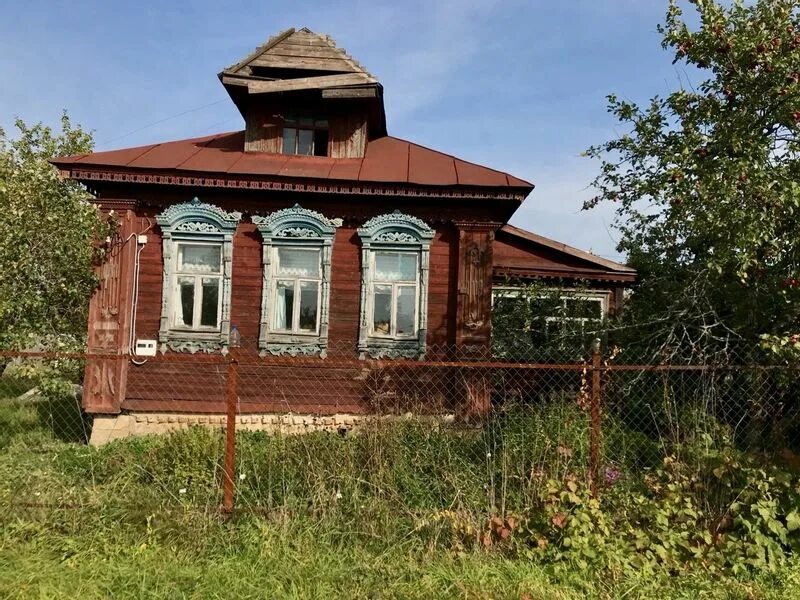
(296,228)
(195,222)
(393,232)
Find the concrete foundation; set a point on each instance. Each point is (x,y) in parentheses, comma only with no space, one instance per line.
(107,428)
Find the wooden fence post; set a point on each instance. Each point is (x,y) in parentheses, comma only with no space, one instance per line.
(230,436)
(595,419)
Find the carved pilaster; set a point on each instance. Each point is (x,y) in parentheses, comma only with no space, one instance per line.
(474,316)
(474,300)
(110,316)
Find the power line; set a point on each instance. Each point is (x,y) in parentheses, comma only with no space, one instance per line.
(186,112)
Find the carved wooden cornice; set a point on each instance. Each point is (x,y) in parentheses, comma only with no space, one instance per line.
(294,185)
(477,226)
(119,204)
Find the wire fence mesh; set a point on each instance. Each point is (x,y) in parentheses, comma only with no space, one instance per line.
(461,428)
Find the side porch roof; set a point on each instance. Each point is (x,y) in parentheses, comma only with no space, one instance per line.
(523,254)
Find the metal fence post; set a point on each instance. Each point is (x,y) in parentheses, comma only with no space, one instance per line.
(230,435)
(595,424)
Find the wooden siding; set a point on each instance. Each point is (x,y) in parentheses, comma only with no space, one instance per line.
(263,132)
(514,257)
(348,136)
(179,386)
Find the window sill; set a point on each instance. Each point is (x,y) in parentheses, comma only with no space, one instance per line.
(383,348)
(178,340)
(299,348)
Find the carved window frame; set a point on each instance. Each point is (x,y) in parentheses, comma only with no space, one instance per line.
(400,233)
(195,222)
(298,228)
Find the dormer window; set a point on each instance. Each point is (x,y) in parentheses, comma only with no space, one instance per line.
(305,135)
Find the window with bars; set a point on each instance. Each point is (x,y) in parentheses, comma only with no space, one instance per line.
(305,135)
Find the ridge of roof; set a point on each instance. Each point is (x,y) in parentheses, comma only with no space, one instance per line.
(561,247)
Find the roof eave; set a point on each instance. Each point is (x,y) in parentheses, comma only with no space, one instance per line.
(86,172)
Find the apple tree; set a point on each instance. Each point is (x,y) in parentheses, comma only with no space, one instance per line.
(706,183)
(48,242)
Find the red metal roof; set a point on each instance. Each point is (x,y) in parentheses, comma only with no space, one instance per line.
(572,262)
(388,160)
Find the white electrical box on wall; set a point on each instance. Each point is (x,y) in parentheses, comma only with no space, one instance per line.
(145,347)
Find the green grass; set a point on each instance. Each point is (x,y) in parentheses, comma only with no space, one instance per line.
(190,554)
(319,516)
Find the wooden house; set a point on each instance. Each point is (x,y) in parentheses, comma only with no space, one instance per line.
(312,232)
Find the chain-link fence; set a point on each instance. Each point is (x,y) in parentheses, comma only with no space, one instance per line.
(458,428)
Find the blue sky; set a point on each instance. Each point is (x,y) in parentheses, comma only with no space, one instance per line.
(519,86)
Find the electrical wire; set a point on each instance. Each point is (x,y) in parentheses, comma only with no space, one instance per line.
(164,120)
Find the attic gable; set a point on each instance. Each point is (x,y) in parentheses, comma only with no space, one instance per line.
(297,60)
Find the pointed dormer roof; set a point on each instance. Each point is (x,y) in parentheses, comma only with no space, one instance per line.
(297,61)
(300,50)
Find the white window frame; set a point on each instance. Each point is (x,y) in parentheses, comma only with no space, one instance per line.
(296,228)
(603,297)
(297,280)
(175,296)
(195,223)
(394,284)
(403,234)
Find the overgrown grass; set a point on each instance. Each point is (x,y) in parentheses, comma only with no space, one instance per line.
(195,554)
(318,515)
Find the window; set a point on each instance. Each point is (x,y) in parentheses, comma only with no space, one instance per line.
(297,246)
(197,284)
(197,243)
(297,287)
(394,290)
(305,135)
(395,286)
(528,321)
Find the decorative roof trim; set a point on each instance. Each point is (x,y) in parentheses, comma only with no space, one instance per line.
(121,176)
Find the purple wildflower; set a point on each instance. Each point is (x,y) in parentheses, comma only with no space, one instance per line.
(611,475)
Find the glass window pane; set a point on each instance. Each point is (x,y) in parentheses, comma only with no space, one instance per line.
(406,309)
(395,266)
(197,258)
(585,308)
(289,140)
(382,310)
(284,305)
(547,306)
(305,139)
(298,263)
(308,306)
(185,308)
(209,303)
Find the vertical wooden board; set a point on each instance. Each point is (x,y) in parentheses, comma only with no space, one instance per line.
(439,284)
(348,136)
(151,272)
(345,288)
(263,131)
(246,282)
